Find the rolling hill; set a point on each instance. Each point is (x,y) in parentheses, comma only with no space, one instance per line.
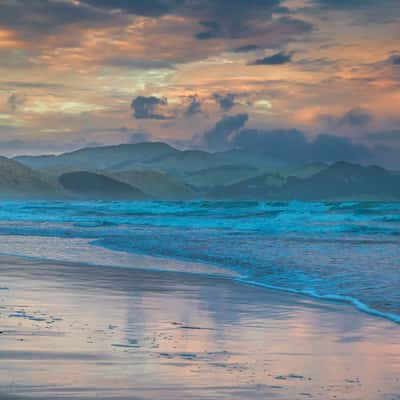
(155,156)
(89,185)
(339,181)
(104,157)
(158,171)
(20,182)
(346,181)
(221,176)
(157,185)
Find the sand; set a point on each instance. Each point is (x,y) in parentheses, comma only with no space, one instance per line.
(73,331)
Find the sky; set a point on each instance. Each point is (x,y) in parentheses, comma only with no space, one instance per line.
(210,74)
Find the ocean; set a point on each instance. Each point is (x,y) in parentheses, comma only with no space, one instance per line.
(342,251)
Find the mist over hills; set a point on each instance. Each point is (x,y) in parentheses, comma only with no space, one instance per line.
(158,171)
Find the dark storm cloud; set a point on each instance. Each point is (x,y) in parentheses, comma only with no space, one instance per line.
(375,10)
(212,30)
(194,106)
(290,145)
(222,19)
(395,60)
(220,136)
(276,59)
(147,8)
(225,101)
(241,18)
(29,17)
(335,148)
(216,18)
(348,4)
(282,144)
(219,9)
(246,49)
(293,146)
(147,107)
(355,118)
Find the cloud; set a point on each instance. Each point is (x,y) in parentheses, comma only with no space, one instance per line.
(32,85)
(15,101)
(246,49)
(373,10)
(139,137)
(354,118)
(134,63)
(146,107)
(276,59)
(388,136)
(225,101)
(344,3)
(335,148)
(147,8)
(58,33)
(282,144)
(387,156)
(194,106)
(219,17)
(44,17)
(293,146)
(212,30)
(219,137)
(352,4)
(229,19)
(395,60)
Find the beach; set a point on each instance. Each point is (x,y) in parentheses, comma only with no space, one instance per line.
(75,331)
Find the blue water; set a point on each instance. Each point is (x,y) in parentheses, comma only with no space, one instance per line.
(341,251)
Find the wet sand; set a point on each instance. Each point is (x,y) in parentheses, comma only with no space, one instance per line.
(82,332)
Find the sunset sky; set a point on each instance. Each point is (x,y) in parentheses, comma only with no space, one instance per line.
(92,72)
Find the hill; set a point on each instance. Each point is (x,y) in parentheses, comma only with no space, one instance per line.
(304,171)
(89,185)
(221,176)
(155,170)
(156,156)
(104,157)
(186,162)
(20,182)
(262,187)
(347,181)
(339,181)
(157,185)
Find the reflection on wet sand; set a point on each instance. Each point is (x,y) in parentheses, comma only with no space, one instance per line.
(84,332)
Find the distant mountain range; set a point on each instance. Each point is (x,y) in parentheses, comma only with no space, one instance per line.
(158,171)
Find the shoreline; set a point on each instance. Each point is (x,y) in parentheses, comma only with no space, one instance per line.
(74,331)
(197,269)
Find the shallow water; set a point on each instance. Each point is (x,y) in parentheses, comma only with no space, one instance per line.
(347,251)
(70,331)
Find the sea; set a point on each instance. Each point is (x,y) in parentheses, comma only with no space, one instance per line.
(338,251)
